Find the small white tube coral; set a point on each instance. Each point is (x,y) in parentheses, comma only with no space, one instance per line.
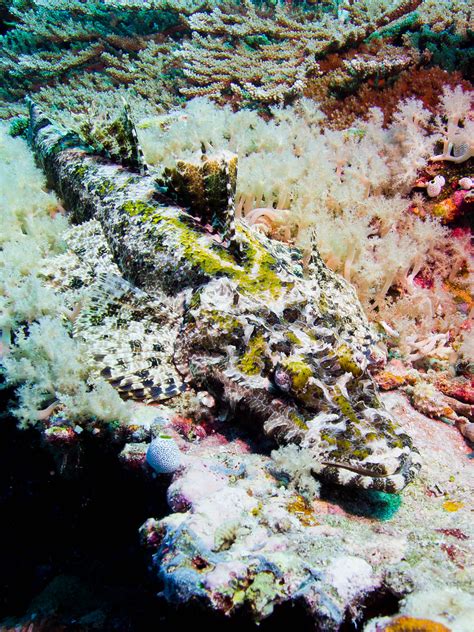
(435,186)
(466,183)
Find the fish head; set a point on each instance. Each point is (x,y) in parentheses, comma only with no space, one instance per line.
(335,411)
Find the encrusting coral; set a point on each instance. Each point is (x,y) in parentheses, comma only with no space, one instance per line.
(243,535)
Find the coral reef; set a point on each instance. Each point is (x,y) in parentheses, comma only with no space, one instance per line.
(246,276)
(57,43)
(239,54)
(242,536)
(37,349)
(255,53)
(363,228)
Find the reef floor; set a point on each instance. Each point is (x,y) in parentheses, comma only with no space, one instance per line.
(71,557)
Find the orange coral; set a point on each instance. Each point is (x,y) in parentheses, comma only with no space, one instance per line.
(452,505)
(446,210)
(413,624)
(461,294)
(388,381)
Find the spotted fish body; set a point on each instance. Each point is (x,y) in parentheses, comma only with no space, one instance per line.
(285,353)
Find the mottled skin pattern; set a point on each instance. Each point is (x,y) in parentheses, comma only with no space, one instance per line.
(286,353)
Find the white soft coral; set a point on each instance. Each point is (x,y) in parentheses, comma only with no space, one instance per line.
(410,144)
(456,124)
(52,369)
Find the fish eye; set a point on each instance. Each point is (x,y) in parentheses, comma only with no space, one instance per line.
(282,380)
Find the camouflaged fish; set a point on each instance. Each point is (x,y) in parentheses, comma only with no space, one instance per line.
(284,351)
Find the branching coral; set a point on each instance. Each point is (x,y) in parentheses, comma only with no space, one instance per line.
(424,36)
(59,42)
(239,52)
(150,72)
(379,64)
(446,14)
(259,57)
(448,49)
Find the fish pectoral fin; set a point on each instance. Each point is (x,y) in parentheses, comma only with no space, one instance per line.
(130,346)
(367,469)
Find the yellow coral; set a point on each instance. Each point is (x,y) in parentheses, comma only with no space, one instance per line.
(253,361)
(303,511)
(452,505)
(299,371)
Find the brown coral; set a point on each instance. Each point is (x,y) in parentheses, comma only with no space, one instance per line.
(425,84)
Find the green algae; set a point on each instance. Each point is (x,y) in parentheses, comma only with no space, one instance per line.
(137,208)
(80,170)
(299,371)
(227,326)
(106,187)
(263,593)
(253,360)
(323,304)
(195,300)
(345,406)
(292,338)
(298,420)
(19,126)
(346,360)
(254,275)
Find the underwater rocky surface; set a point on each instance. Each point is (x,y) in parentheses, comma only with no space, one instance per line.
(242,535)
(236,315)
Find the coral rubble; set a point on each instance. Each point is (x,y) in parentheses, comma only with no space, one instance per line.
(243,535)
